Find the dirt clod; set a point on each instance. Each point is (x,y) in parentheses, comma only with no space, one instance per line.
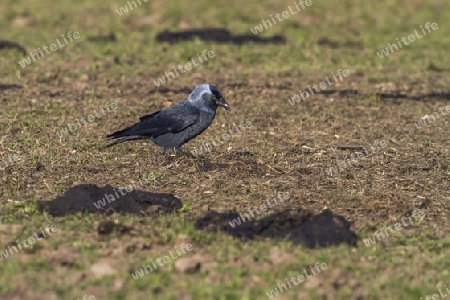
(302,227)
(90,198)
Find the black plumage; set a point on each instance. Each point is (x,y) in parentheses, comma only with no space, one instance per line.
(173,127)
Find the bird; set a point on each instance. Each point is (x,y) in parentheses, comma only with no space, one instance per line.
(175,126)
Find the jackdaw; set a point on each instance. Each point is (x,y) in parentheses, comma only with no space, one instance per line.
(173,127)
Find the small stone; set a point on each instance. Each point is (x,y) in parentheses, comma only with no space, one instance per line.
(106,227)
(152,209)
(189,264)
(279,256)
(102,268)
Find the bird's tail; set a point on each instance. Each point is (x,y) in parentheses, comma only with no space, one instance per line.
(124,139)
(120,133)
(122,136)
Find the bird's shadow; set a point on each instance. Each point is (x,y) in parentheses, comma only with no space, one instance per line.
(89,198)
(218,35)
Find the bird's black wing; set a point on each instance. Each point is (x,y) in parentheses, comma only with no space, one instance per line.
(172,120)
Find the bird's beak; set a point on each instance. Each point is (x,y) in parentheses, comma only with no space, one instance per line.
(223,103)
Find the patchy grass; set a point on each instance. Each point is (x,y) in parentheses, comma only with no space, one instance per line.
(288,148)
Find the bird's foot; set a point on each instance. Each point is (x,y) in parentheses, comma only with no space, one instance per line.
(174,151)
(178,150)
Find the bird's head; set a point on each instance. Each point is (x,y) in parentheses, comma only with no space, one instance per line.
(209,95)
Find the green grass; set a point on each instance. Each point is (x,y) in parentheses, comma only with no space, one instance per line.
(73,81)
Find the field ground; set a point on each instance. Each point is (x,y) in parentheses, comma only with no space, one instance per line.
(288,148)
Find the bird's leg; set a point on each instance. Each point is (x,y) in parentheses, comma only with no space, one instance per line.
(178,149)
(181,151)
